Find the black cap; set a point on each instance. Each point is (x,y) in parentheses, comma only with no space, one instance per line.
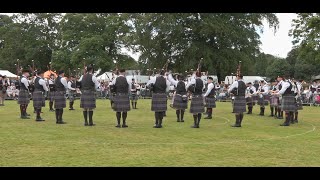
(240,76)
(61,72)
(249,83)
(210,78)
(25,70)
(162,72)
(122,70)
(90,67)
(40,72)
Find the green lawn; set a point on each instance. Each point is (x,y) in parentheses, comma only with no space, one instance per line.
(260,141)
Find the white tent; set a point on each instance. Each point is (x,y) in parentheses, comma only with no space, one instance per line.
(7,73)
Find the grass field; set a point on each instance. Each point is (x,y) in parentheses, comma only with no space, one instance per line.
(260,141)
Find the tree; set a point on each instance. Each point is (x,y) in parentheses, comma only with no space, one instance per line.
(278,67)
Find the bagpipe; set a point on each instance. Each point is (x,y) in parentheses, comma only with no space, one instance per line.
(192,88)
(165,69)
(235,91)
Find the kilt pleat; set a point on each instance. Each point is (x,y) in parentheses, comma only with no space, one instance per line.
(159,102)
(134,97)
(274,101)
(121,103)
(88,100)
(59,100)
(288,103)
(23,97)
(71,96)
(239,104)
(210,102)
(38,99)
(178,103)
(250,102)
(197,105)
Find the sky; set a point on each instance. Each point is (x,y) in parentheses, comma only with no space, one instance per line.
(277,44)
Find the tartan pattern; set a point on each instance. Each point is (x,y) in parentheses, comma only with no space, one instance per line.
(288,103)
(264,101)
(51,96)
(23,97)
(159,102)
(299,103)
(178,103)
(134,97)
(255,98)
(210,102)
(239,105)
(274,101)
(121,103)
(250,102)
(38,99)
(88,99)
(71,96)
(59,100)
(197,105)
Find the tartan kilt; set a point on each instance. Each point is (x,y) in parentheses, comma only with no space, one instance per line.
(274,101)
(159,102)
(250,101)
(255,98)
(299,103)
(134,97)
(59,100)
(239,105)
(38,99)
(121,103)
(288,103)
(23,97)
(197,105)
(88,99)
(71,96)
(264,101)
(178,103)
(51,96)
(210,102)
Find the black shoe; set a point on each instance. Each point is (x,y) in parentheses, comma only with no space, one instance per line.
(86,124)
(61,122)
(155,126)
(207,117)
(284,124)
(40,119)
(28,115)
(236,125)
(118,126)
(159,126)
(24,117)
(280,117)
(194,126)
(271,115)
(182,120)
(71,109)
(296,121)
(124,126)
(178,120)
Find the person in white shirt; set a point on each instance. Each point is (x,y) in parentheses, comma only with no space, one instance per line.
(288,100)
(122,88)
(195,86)
(210,97)
(52,89)
(249,92)
(89,85)
(159,86)
(59,96)
(71,91)
(263,92)
(134,94)
(238,89)
(24,98)
(40,89)
(297,93)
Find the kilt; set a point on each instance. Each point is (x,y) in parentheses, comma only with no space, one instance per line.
(38,99)
(197,105)
(274,101)
(88,99)
(23,97)
(71,95)
(121,103)
(255,98)
(134,97)
(239,105)
(288,103)
(210,102)
(178,103)
(59,100)
(250,101)
(299,103)
(159,102)
(51,96)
